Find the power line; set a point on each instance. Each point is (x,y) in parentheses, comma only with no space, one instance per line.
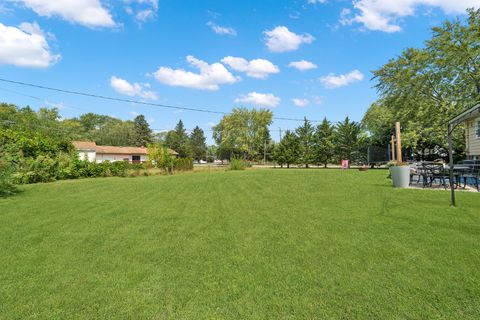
(97,96)
(42,100)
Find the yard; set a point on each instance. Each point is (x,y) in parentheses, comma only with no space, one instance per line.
(256,244)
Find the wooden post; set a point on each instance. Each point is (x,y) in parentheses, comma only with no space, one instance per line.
(399,142)
(392,142)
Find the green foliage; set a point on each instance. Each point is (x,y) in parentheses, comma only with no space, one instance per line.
(182,164)
(160,157)
(7,186)
(238,164)
(46,169)
(287,151)
(142,132)
(423,88)
(348,141)
(197,144)
(243,133)
(305,136)
(43,168)
(324,148)
(114,132)
(178,140)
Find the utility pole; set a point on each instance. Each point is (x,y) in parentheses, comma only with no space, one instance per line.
(399,141)
(392,142)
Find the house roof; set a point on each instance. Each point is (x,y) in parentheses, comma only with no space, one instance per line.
(465,115)
(120,150)
(84,145)
(91,145)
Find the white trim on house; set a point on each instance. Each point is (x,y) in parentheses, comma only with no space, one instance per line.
(89,150)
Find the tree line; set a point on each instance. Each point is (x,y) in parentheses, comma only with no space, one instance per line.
(425,87)
(323,144)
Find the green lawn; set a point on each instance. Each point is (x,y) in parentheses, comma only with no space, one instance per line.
(258,244)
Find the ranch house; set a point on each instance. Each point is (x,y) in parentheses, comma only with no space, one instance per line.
(89,150)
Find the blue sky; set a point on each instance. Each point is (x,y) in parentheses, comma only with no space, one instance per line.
(299,58)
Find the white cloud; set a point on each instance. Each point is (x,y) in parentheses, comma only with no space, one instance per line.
(257,68)
(211,76)
(316,1)
(281,39)
(132,89)
(89,13)
(221,30)
(144,15)
(25,46)
(301,102)
(383,15)
(142,10)
(332,81)
(302,65)
(259,99)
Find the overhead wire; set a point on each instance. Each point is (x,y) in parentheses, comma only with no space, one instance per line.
(152,104)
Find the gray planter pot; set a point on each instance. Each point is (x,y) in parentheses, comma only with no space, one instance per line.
(400,176)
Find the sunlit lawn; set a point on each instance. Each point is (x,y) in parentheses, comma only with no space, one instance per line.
(258,244)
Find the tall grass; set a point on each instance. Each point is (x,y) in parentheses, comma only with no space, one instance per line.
(238,164)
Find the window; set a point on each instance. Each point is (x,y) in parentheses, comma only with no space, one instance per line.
(135,159)
(478,129)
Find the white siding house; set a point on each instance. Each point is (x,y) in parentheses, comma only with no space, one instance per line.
(472,136)
(86,150)
(471,119)
(90,151)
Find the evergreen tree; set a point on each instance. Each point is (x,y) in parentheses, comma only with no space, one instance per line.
(142,132)
(198,144)
(305,141)
(178,140)
(347,140)
(287,151)
(323,143)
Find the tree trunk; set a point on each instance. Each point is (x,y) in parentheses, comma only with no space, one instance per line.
(288,165)
(325,165)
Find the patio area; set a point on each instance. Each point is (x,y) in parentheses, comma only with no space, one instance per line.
(431,175)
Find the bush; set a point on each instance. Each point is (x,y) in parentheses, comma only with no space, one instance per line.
(183,164)
(238,164)
(6,182)
(39,169)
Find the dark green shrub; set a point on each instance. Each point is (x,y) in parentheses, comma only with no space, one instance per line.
(6,182)
(39,169)
(118,168)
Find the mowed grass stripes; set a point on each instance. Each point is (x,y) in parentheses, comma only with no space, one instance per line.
(256,244)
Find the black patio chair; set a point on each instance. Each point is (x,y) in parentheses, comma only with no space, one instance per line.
(416,171)
(472,175)
(433,172)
